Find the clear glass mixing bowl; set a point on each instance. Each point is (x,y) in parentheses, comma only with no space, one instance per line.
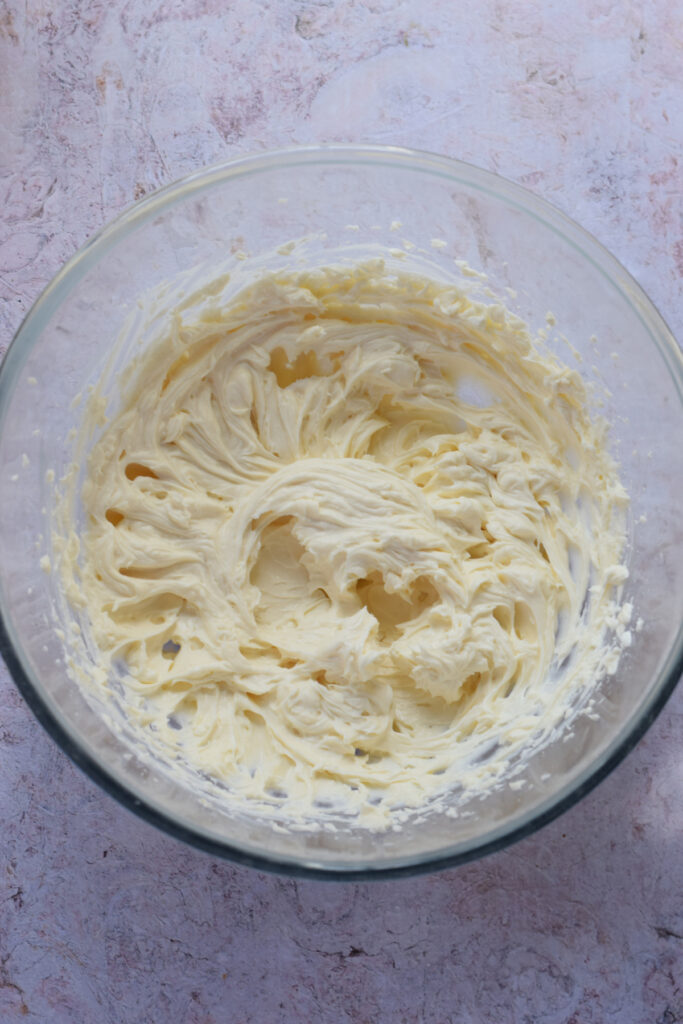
(345,195)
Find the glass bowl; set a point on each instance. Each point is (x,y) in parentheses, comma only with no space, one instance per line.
(533,256)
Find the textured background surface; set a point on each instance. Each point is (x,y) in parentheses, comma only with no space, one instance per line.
(101,918)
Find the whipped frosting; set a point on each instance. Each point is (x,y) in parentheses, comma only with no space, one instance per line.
(349,528)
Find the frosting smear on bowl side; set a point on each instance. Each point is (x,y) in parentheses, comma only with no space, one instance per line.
(349,528)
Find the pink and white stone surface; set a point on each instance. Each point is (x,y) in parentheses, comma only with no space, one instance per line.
(101,917)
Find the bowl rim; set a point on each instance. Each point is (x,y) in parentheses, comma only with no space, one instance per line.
(350,154)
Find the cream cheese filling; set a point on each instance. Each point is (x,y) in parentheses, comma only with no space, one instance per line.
(348,526)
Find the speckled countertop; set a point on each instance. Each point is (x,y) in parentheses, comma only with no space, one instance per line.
(103,919)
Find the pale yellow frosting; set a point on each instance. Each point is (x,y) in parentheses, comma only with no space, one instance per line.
(349,527)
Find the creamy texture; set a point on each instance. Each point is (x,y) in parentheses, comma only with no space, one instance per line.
(350,529)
